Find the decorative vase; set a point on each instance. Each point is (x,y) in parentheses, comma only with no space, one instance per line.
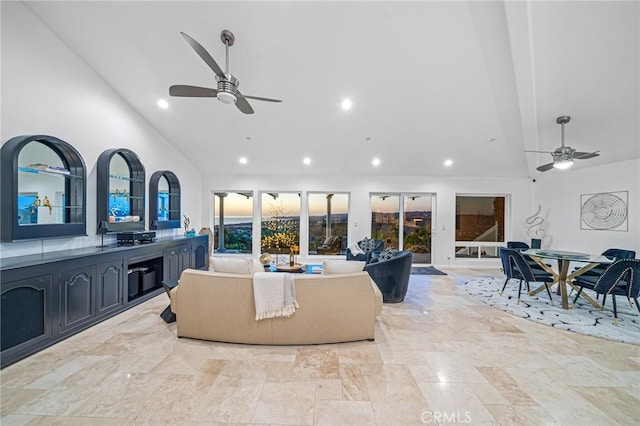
(208,232)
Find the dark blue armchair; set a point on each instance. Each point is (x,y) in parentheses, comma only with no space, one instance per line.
(392,276)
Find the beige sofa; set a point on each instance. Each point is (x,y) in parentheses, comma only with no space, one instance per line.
(220,307)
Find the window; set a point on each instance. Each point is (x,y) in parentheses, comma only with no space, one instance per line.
(328,220)
(480,224)
(280,222)
(233,214)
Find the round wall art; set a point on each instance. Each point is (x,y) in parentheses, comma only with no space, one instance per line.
(604,211)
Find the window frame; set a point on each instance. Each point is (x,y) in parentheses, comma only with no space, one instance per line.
(344,239)
(480,254)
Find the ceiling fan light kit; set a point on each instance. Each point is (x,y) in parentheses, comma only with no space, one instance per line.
(227,85)
(563,164)
(563,156)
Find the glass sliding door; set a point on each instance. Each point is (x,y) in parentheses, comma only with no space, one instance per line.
(413,232)
(385,219)
(416,229)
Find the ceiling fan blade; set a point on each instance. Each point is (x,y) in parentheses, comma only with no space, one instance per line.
(545,167)
(259,98)
(192,91)
(541,152)
(585,155)
(202,52)
(243,104)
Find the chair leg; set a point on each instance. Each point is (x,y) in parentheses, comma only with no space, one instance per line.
(604,299)
(519,290)
(577,295)
(546,285)
(503,287)
(635,299)
(615,310)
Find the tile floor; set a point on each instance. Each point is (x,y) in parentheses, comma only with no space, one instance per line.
(441,357)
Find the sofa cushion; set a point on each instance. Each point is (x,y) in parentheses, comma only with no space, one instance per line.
(235,265)
(339,266)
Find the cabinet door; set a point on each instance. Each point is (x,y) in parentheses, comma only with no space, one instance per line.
(110,286)
(176,260)
(185,257)
(77,288)
(26,316)
(200,259)
(172,264)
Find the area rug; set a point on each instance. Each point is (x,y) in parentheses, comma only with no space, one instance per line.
(583,318)
(426,270)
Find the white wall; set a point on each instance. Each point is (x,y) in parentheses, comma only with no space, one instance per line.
(445,189)
(47,89)
(559,195)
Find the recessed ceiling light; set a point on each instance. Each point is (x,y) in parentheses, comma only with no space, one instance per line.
(243,160)
(347,104)
(306,161)
(375,162)
(448,163)
(162,104)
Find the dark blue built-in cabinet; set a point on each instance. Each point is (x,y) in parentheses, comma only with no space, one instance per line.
(48,297)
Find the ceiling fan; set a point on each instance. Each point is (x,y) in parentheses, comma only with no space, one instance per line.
(563,156)
(227,91)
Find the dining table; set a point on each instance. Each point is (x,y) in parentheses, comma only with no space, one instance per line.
(561,276)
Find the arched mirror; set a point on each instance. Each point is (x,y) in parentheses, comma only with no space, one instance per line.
(120,191)
(164,200)
(43,189)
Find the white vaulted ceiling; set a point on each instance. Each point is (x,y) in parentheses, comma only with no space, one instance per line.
(476,82)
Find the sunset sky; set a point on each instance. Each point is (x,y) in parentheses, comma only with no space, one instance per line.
(238,205)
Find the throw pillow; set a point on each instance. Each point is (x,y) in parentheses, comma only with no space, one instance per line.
(371,245)
(339,266)
(364,244)
(388,254)
(232,265)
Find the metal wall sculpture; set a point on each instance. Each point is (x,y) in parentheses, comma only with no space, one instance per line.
(606,211)
(534,225)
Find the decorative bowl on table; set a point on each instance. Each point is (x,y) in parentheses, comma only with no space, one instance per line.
(285,267)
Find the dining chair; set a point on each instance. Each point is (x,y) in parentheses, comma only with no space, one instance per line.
(517,245)
(522,246)
(613,254)
(515,266)
(621,278)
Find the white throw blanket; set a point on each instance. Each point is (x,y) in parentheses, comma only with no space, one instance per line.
(274,294)
(355,249)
